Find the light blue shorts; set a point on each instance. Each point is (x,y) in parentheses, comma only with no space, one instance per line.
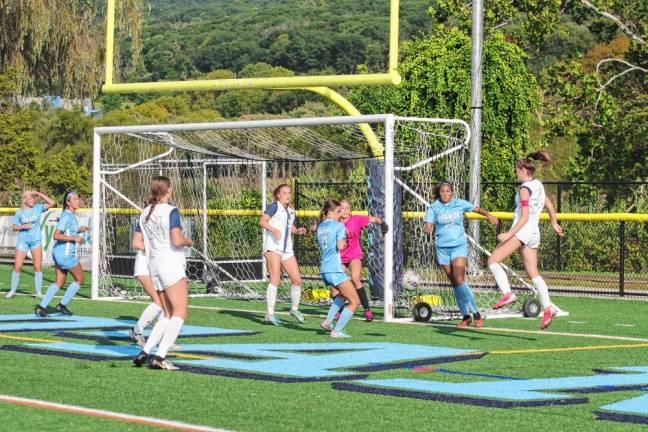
(25,245)
(63,261)
(334,279)
(445,255)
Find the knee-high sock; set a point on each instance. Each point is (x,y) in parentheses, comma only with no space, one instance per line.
(543,291)
(460,296)
(49,295)
(171,333)
(338,303)
(345,316)
(38,282)
(469,297)
(363,298)
(148,315)
(295,297)
(15,278)
(500,277)
(156,334)
(271,299)
(69,293)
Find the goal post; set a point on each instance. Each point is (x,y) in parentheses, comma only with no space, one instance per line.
(223,175)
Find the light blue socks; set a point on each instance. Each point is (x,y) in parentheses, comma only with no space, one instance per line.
(345,316)
(338,302)
(38,282)
(69,293)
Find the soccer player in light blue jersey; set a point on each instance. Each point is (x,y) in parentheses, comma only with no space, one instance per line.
(27,223)
(446,214)
(331,237)
(64,252)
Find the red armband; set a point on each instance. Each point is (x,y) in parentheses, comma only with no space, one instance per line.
(525,203)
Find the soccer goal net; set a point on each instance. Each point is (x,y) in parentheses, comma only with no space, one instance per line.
(223,175)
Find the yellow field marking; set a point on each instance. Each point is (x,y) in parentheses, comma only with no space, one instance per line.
(109,415)
(192,356)
(583,348)
(28,339)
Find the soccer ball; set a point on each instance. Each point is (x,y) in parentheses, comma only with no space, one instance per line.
(410,280)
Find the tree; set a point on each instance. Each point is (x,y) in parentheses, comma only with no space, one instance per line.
(436,83)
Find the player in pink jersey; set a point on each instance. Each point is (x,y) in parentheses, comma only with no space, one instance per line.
(352,254)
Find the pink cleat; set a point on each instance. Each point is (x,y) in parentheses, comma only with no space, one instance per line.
(546,318)
(326,325)
(465,322)
(368,314)
(507,298)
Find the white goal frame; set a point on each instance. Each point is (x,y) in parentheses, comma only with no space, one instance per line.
(387,121)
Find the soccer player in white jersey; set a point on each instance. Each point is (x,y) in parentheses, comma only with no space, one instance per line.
(524,234)
(141,272)
(27,223)
(64,252)
(278,223)
(331,237)
(164,245)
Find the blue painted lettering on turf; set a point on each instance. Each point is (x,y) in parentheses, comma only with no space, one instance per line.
(293,360)
(106,326)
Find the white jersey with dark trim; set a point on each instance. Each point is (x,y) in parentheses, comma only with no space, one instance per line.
(281,218)
(156,230)
(536,205)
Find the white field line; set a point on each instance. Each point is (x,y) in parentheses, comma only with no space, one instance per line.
(408,321)
(110,415)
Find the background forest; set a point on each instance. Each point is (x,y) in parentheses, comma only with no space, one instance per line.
(570,75)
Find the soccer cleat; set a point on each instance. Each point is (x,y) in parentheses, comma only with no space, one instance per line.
(507,298)
(465,322)
(41,312)
(479,322)
(326,325)
(138,338)
(164,364)
(546,318)
(141,358)
(369,315)
(62,309)
(297,315)
(10,294)
(272,319)
(339,334)
(39,295)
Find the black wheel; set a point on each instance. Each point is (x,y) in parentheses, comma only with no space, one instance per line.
(422,312)
(531,308)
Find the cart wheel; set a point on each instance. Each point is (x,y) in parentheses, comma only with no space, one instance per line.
(531,308)
(422,312)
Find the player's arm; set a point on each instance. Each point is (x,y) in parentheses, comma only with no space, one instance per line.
(177,238)
(137,242)
(482,211)
(264,222)
(341,242)
(552,217)
(17,226)
(428,220)
(49,202)
(525,194)
(58,235)
(298,231)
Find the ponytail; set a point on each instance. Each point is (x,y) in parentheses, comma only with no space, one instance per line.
(329,205)
(528,163)
(159,187)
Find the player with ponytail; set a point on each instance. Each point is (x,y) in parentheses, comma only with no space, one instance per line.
(524,234)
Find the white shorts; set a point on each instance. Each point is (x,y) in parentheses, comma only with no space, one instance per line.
(141,266)
(284,255)
(167,272)
(529,239)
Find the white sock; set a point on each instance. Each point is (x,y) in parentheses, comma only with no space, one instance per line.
(170,335)
(295,297)
(271,298)
(543,291)
(500,277)
(156,334)
(149,314)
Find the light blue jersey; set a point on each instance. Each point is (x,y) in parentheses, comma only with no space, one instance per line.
(448,220)
(68,225)
(30,216)
(328,234)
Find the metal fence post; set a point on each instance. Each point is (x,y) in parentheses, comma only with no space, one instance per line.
(559,265)
(622,253)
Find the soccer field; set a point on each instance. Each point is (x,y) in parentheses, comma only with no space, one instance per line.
(240,374)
